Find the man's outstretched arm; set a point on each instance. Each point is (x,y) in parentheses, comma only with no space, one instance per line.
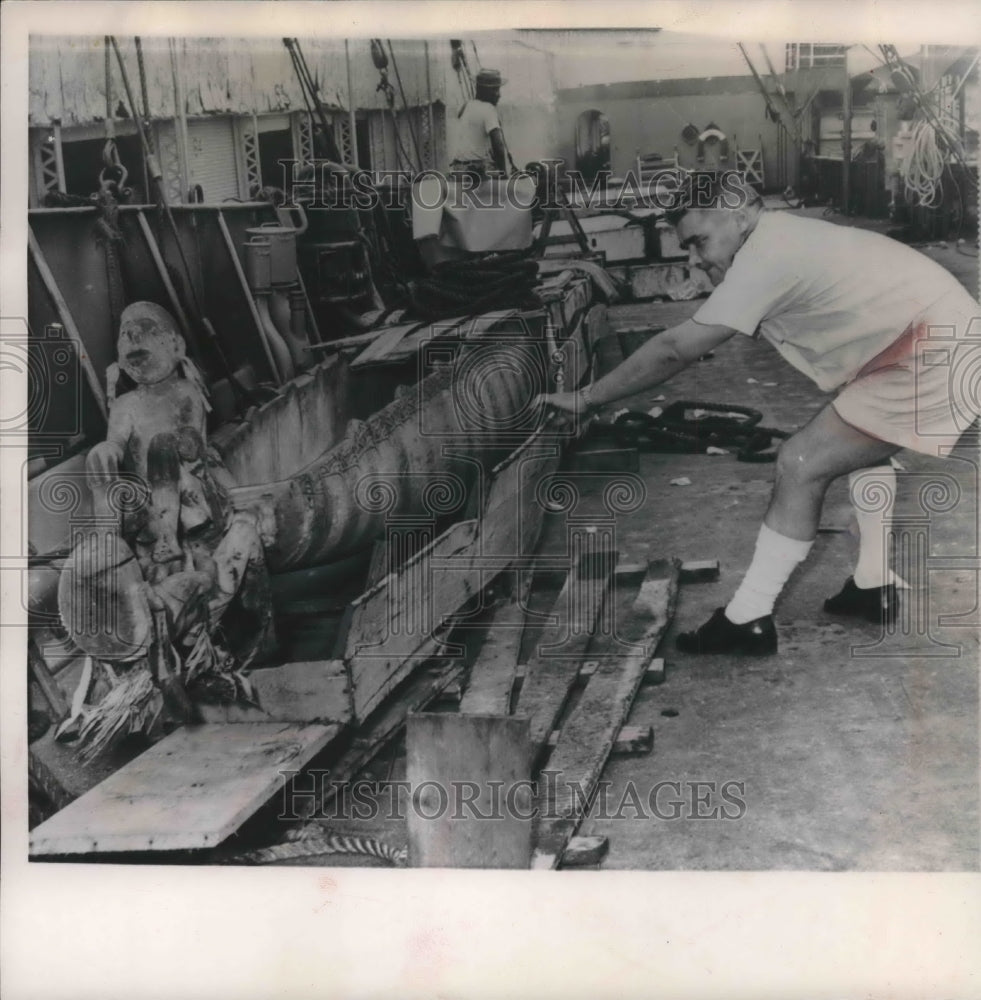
(663,356)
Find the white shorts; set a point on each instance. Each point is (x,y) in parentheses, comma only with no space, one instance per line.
(924,390)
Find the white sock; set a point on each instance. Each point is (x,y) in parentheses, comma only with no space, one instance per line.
(775,558)
(873,495)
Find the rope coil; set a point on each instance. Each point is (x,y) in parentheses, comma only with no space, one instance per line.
(492,281)
(676,431)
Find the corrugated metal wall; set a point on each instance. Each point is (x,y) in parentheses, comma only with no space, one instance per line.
(234,79)
(239,76)
(212,158)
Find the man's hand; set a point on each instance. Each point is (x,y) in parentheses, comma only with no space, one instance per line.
(561,410)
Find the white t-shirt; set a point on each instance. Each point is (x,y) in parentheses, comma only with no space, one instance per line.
(829,298)
(470,132)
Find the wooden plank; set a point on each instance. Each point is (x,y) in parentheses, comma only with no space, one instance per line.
(552,672)
(588,735)
(191,790)
(630,739)
(347,343)
(655,672)
(385,724)
(462,769)
(493,672)
(68,322)
(390,623)
(700,571)
(512,517)
(45,680)
(75,777)
(378,567)
(443,576)
(586,670)
(656,596)
(313,691)
(629,572)
(243,286)
(386,341)
(653,675)
(593,457)
(465,329)
(583,851)
(452,694)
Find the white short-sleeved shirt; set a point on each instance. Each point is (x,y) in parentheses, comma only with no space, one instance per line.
(470,132)
(830,298)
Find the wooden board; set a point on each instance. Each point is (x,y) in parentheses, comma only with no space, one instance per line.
(191,790)
(512,517)
(552,671)
(386,341)
(588,735)
(700,571)
(419,691)
(314,691)
(440,578)
(493,672)
(629,739)
(585,851)
(655,599)
(461,820)
(464,329)
(390,623)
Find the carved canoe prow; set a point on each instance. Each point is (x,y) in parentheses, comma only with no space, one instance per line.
(422,454)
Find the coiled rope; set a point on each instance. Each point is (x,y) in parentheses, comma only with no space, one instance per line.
(687,427)
(926,163)
(491,281)
(319,843)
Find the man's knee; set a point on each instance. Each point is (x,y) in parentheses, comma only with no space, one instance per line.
(796,463)
(791,460)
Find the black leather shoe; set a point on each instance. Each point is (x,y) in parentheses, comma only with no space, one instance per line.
(719,635)
(879,605)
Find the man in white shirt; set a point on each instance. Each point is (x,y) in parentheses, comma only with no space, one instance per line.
(476,137)
(854,311)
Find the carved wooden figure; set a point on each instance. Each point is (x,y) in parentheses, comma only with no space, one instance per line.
(198,558)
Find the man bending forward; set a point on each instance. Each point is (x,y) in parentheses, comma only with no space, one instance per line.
(853,311)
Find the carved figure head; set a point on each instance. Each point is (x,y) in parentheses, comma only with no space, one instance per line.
(150,346)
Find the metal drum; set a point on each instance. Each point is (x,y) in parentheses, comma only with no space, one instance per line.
(282,247)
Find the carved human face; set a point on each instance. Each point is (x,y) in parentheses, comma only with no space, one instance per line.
(148,349)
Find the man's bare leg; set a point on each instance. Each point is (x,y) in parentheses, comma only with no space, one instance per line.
(807,463)
(818,453)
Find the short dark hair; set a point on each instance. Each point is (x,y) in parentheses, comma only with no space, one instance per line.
(715,189)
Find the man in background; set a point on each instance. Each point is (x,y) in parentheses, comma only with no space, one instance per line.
(477,143)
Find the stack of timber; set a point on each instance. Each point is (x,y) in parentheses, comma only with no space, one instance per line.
(582,647)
